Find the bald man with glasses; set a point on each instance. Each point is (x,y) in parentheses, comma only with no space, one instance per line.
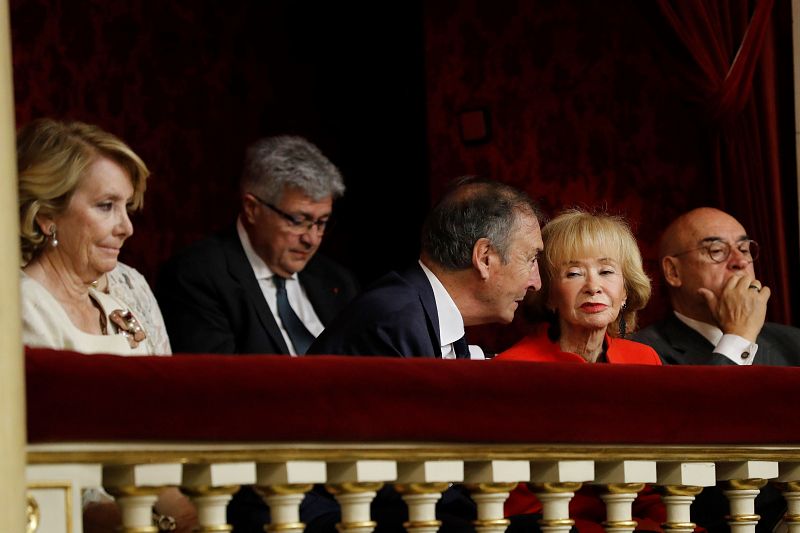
(707,259)
(261,286)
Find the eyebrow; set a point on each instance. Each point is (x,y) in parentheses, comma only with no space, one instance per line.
(712,239)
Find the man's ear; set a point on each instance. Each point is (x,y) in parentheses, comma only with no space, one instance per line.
(669,266)
(249,207)
(482,257)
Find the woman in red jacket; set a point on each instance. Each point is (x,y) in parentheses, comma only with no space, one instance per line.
(593,284)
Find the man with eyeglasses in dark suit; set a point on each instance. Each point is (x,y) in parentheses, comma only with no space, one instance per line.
(260,287)
(719,319)
(719,305)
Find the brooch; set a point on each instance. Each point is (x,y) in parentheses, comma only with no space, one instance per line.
(129,326)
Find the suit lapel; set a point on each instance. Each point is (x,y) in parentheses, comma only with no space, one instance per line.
(321,296)
(416,278)
(685,341)
(241,271)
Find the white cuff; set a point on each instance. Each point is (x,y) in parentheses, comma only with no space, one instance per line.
(738,349)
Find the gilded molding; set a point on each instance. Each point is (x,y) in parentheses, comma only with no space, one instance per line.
(272,452)
(140,529)
(66,488)
(787,486)
(356,525)
(624,488)
(682,490)
(422,523)
(490,488)
(217,528)
(621,524)
(293,488)
(352,488)
(131,490)
(288,526)
(791,518)
(208,490)
(557,522)
(554,488)
(679,525)
(421,488)
(495,522)
(33,514)
(745,484)
(742,518)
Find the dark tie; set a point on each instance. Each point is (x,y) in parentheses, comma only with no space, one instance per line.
(461,348)
(297,331)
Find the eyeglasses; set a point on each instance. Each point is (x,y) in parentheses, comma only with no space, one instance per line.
(720,251)
(298,225)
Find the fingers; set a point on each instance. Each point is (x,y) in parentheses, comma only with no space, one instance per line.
(741,306)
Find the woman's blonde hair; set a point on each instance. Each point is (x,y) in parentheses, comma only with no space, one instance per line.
(52,157)
(575,234)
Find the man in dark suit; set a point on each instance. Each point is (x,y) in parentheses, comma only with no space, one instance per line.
(480,248)
(719,305)
(260,287)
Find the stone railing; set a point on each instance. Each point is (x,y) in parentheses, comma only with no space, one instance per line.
(210,424)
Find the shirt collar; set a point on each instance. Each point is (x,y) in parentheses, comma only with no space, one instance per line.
(451,324)
(260,268)
(711,333)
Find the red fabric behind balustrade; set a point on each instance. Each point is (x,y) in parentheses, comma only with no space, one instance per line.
(76,397)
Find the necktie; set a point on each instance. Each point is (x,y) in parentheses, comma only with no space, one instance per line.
(298,333)
(461,348)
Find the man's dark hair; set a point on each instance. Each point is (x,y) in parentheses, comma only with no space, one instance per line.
(473,208)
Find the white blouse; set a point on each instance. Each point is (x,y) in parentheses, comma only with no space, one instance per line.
(45,324)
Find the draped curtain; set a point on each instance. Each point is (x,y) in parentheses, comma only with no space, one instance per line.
(731,45)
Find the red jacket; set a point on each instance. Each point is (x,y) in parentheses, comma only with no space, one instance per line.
(586,508)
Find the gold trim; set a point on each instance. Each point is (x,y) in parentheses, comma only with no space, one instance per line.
(422,523)
(33,514)
(352,488)
(355,525)
(624,488)
(288,526)
(277,452)
(557,522)
(208,490)
(219,528)
(140,529)
(682,490)
(787,486)
(131,490)
(735,519)
(555,488)
(421,488)
(292,488)
(493,522)
(679,525)
(745,484)
(620,524)
(65,486)
(490,488)
(791,518)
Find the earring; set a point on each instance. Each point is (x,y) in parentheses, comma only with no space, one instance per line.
(623,326)
(53,238)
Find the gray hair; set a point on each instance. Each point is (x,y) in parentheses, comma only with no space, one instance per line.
(472,209)
(274,163)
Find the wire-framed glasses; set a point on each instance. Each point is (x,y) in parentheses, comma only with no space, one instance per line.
(298,224)
(719,251)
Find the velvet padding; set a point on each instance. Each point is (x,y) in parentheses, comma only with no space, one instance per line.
(268,398)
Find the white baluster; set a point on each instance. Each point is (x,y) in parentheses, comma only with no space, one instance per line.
(682,482)
(354,485)
(555,484)
(283,486)
(421,485)
(623,481)
(490,483)
(744,482)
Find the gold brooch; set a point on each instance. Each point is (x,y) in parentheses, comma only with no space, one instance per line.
(129,326)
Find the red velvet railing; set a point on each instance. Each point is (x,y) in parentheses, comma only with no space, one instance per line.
(74,397)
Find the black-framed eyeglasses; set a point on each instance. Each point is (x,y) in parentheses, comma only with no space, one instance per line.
(298,225)
(719,251)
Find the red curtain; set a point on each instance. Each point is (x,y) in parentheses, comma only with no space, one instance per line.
(732,50)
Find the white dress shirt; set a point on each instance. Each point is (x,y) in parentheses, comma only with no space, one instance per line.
(738,349)
(451,324)
(295,292)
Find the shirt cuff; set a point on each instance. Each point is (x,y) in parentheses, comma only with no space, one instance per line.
(738,349)
(476,352)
